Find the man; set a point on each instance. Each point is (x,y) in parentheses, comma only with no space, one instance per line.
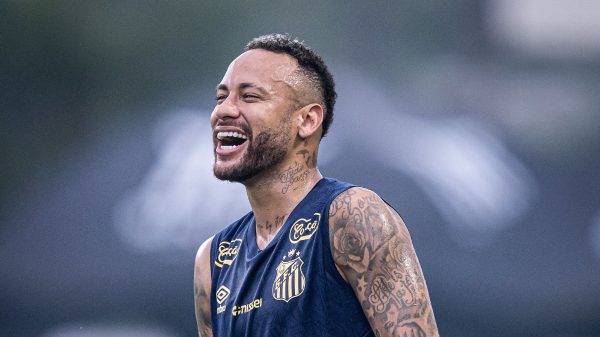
(316,256)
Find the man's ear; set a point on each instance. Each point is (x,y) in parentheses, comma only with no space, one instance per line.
(310,120)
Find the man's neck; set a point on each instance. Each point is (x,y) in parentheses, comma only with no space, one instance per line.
(274,196)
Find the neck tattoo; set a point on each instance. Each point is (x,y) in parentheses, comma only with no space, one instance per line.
(294,174)
(271,226)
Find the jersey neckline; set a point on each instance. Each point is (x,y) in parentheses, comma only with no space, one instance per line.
(251,244)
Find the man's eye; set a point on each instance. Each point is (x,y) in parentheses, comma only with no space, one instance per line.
(250,96)
(220,98)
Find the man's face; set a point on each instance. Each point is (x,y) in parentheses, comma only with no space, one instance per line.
(251,123)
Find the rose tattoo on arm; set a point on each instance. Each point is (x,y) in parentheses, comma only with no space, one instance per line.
(373,251)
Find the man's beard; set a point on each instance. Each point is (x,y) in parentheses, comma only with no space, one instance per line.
(267,150)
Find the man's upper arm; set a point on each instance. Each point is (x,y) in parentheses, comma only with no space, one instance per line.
(202,284)
(374,253)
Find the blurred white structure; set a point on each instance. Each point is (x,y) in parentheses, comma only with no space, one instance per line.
(179,201)
(550,28)
(475,182)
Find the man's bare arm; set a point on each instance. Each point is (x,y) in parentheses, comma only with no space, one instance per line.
(374,253)
(202,284)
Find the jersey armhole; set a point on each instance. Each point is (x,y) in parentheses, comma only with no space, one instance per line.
(329,252)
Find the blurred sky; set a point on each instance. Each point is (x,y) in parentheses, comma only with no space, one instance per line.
(478,120)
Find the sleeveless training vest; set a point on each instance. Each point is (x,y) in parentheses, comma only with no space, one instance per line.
(292,287)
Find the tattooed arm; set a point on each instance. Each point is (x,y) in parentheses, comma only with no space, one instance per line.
(374,254)
(202,284)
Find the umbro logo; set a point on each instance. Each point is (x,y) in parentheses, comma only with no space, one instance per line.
(222,294)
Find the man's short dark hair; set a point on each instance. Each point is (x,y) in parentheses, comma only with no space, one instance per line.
(311,66)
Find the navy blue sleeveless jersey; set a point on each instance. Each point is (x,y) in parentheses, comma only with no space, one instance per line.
(292,287)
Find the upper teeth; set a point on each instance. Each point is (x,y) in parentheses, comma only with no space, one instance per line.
(221,135)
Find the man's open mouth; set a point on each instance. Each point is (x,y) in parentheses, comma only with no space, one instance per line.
(230,140)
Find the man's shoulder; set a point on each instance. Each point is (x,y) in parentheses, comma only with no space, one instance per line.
(360,191)
(346,189)
(345,193)
(355,198)
(334,187)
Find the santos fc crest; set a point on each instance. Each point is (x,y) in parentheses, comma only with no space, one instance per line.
(290,280)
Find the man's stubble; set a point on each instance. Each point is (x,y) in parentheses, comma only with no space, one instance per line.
(267,150)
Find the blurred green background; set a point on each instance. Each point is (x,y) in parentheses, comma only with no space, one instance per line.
(478,120)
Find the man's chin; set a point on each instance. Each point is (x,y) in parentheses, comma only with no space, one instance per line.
(228,177)
(232,174)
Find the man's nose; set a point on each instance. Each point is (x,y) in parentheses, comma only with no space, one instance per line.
(226,109)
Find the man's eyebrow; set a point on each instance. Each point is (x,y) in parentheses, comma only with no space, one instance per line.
(244,85)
